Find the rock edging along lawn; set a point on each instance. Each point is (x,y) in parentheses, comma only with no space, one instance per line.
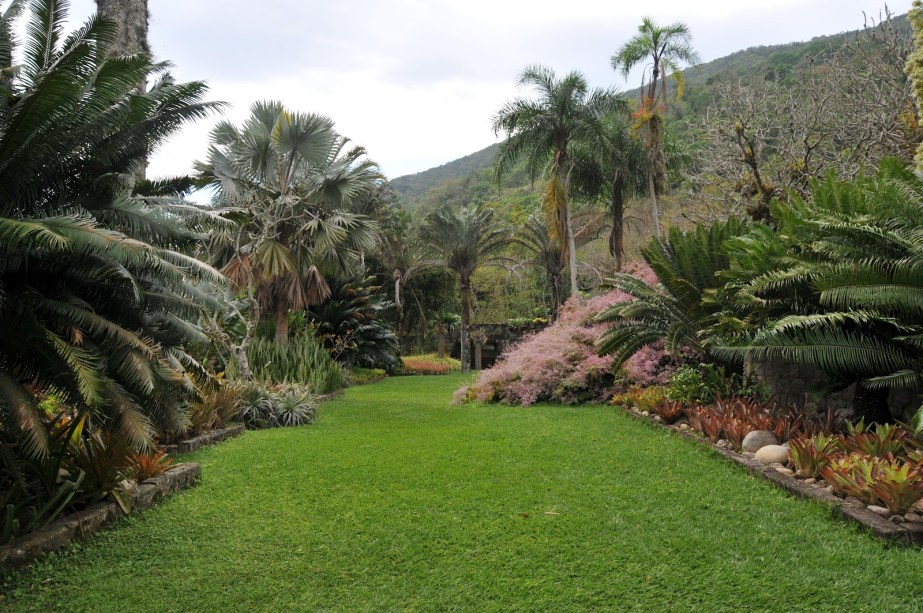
(203,440)
(910,534)
(27,548)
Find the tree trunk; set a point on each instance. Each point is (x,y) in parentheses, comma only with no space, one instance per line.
(657,161)
(131,16)
(281,322)
(655,212)
(572,259)
(441,341)
(617,236)
(465,287)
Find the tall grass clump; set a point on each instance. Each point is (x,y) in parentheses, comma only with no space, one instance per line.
(302,360)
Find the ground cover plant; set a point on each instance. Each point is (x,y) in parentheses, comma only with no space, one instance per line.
(429,364)
(472,507)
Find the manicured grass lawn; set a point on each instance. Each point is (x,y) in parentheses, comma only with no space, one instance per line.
(396,500)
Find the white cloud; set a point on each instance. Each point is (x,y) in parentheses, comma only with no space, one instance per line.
(417,81)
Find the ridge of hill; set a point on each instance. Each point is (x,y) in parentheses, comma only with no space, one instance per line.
(469,178)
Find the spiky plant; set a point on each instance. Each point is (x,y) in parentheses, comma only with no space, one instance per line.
(681,308)
(96,293)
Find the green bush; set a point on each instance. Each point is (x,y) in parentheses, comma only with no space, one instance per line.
(289,405)
(303,360)
(705,383)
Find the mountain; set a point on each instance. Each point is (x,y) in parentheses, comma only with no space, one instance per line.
(470,178)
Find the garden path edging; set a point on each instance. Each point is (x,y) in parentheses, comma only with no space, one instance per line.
(27,548)
(910,534)
(203,440)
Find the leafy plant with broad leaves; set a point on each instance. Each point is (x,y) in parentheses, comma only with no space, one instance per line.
(143,466)
(810,454)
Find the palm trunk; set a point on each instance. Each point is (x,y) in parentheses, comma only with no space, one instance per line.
(131,17)
(465,287)
(281,322)
(617,236)
(655,213)
(572,260)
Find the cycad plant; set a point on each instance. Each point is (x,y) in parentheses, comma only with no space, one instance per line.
(681,310)
(839,285)
(96,294)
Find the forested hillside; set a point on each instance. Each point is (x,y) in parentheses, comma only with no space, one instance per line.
(469,179)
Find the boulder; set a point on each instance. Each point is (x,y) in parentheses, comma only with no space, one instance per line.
(758,439)
(772,454)
(877,510)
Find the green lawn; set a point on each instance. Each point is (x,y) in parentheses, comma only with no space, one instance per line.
(396,500)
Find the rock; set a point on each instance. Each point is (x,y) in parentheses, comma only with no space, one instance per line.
(749,454)
(772,454)
(786,444)
(646,413)
(856,502)
(758,439)
(658,418)
(913,518)
(878,510)
(684,427)
(785,471)
(811,481)
(722,444)
(829,489)
(896,519)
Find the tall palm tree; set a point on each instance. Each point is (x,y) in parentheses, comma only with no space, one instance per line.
(611,166)
(465,239)
(291,178)
(97,296)
(667,48)
(544,130)
(131,17)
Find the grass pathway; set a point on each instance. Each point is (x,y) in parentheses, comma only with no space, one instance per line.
(395,500)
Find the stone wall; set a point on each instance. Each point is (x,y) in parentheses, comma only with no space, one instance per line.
(801,386)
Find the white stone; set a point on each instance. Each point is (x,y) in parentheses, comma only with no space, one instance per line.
(758,439)
(772,454)
(879,510)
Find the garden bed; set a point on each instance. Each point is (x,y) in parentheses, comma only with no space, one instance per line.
(27,548)
(203,440)
(903,532)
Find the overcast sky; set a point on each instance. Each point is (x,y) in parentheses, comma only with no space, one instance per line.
(417,81)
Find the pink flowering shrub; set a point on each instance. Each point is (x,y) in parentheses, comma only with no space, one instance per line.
(560,364)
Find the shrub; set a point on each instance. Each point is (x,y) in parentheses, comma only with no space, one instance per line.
(898,485)
(885,440)
(853,475)
(641,398)
(364,376)
(303,360)
(668,410)
(287,405)
(428,364)
(706,383)
(558,364)
(143,466)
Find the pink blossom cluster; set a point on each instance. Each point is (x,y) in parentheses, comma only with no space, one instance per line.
(560,364)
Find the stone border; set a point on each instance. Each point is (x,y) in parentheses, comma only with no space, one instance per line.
(203,440)
(852,511)
(27,548)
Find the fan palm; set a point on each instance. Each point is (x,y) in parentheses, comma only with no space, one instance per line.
(667,48)
(465,239)
(543,130)
(96,294)
(290,179)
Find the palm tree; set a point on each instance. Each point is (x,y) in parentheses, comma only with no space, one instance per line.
(131,17)
(97,297)
(611,166)
(291,179)
(667,48)
(543,130)
(465,239)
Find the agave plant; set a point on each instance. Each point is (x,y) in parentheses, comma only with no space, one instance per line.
(97,296)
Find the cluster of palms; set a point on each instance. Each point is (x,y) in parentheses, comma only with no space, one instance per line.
(586,141)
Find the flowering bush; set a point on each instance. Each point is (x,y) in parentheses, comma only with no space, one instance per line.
(429,364)
(560,363)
